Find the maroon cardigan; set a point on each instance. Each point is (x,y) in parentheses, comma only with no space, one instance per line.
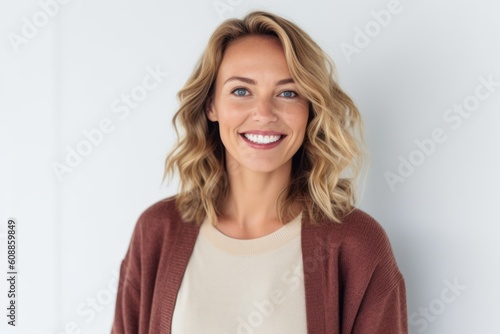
(352,281)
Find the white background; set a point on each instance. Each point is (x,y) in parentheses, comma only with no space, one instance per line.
(74,231)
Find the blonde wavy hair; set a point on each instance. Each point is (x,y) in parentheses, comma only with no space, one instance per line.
(333,144)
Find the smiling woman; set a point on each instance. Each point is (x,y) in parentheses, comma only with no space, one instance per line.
(264,234)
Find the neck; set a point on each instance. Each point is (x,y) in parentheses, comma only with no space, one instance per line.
(251,204)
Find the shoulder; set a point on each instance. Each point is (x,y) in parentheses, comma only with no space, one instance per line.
(160,212)
(357,268)
(155,236)
(359,244)
(158,223)
(362,231)
(357,229)
(364,239)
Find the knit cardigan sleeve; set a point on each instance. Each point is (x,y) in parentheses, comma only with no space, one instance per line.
(383,306)
(135,300)
(375,295)
(127,309)
(353,284)
(385,315)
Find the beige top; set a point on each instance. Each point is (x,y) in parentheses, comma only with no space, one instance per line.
(243,286)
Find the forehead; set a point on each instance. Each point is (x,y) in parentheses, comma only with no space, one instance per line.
(254,52)
(253,42)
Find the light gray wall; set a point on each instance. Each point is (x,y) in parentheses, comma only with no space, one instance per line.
(66,68)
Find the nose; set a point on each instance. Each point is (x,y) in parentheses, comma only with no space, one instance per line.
(264,111)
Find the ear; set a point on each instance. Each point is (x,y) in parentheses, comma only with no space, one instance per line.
(209,110)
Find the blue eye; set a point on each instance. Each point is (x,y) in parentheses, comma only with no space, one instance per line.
(240,92)
(288,94)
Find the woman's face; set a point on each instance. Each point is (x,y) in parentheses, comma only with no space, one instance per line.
(262,118)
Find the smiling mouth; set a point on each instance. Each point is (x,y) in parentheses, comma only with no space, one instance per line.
(262,139)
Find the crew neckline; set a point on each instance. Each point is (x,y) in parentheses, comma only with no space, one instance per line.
(264,244)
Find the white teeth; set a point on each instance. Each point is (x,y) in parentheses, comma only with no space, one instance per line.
(260,139)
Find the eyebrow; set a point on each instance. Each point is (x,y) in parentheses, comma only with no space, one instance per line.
(253,82)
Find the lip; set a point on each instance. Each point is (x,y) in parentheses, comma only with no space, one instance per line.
(264,133)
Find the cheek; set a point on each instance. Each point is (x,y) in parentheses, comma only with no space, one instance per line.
(299,121)
(300,126)
(228,127)
(230,116)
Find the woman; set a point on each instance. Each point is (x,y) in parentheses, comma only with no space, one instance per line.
(263,236)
